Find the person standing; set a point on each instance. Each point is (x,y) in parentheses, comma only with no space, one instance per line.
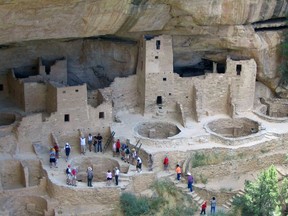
(68,175)
(56,147)
(67,149)
(99,142)
(213,205)
(190,181)
(74,176)
(178,172)
(89,176)
(203,208)
(139,165)
(150,163)
(117,172)
(109,177)
(118,146)
(83,144)
(127,155)
(166,163)
(90,140)
(114,149)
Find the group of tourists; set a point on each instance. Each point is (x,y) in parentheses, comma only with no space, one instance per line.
(212,204)
(71,176)
(109,176)
(96,141)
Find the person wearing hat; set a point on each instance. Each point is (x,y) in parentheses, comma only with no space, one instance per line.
(68,175)
(67,149)
(190,181)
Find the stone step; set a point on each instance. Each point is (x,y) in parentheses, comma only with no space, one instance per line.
(196,198)
(200,201)
(225,206)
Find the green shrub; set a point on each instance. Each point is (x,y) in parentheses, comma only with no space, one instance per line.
(199,159)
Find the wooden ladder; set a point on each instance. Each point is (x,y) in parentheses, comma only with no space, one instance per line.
(110,139)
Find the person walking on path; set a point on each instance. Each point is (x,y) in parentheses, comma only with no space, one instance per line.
(83,144)
(53,159)
(89,177)
(203,208)
(166,163)
(90,140)
(178,172)
(213,205)
(99,142)
(190,181)
(67,149)
(117,172)
(68,175)
(150,163)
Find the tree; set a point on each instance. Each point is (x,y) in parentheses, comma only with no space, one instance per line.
(262,196)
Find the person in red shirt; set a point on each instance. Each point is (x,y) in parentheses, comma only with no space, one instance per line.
(166,163)
(203,208)
(118,145)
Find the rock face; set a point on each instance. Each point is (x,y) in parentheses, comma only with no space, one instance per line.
(206,29)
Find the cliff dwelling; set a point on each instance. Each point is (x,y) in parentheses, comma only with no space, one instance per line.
(159,98)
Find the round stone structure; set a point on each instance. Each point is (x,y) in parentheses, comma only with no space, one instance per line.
(233,128)
(157,130)
(7,119)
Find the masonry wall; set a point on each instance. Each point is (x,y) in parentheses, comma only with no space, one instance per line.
(35,97)
(16,90)
(51,98)
(124,93)
(58,71)
(141,76)
(243,83)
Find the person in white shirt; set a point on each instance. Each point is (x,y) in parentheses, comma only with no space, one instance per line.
(90,140)
(109,177)
(117,172)
(83,144)
(139,165)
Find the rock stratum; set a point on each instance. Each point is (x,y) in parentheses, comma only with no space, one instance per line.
(201,29)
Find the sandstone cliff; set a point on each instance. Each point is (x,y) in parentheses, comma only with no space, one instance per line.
(201,29)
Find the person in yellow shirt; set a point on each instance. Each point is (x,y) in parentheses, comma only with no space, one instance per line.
(178,171)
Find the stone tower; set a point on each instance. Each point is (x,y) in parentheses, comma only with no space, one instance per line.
(155,79)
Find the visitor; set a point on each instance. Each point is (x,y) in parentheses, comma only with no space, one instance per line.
(99,142)
(74,176)
(178,172)
(127,155)
(90,140)
(95,144)
(123,148)
(117,172)
(67,149)
(134,156)
(68,175)
(56,147)
(114,149)
(166,163)
(203,208)
(53,160)
(190,181)
(150,162)
(213,205)
(109,177)
(89,177)
(83,144)
(118,146)
(139,165)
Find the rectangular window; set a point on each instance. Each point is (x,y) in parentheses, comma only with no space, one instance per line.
(76,90)
(66,118)
(238,69)
(64,92)
(101,115)
(1,87)
(164,79)
(158,42)
(156,57)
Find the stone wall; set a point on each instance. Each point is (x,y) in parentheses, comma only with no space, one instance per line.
(16,90)
(35,97)
(56,72)
(3,86)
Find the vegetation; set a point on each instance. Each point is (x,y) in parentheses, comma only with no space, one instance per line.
(168,201)
(264,197)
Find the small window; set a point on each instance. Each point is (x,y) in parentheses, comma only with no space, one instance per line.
(158,44)
(1,87)
(170,94)
(64,92)
(47,69)
(159,100)
(76,90)
(101,115)
(164,79)
(156,57)
(66,118)
(238,69)
(186,96)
